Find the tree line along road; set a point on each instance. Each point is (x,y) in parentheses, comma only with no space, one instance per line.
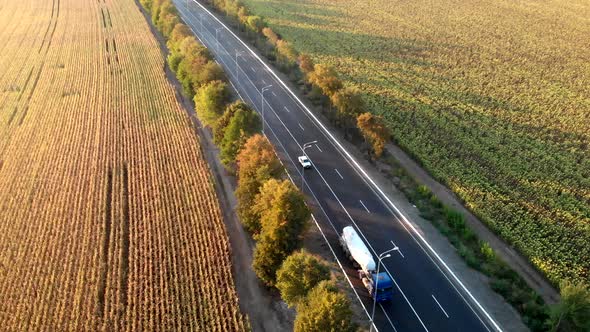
(428,296)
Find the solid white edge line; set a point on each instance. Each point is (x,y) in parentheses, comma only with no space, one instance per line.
(440,306)
(359,167)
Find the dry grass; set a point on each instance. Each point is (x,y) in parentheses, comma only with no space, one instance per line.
(108,217)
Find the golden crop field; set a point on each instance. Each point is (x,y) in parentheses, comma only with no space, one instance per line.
(492,97)
(108,216)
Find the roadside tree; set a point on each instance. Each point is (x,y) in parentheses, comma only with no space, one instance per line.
(374,131)
(325,78)
(298,274)
(243,124)
(210,101)
(256,163)
(283,219)
(324,309)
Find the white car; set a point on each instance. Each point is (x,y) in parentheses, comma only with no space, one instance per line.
(304,161)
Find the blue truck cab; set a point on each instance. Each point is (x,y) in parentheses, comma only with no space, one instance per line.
(381,281)
(384,286)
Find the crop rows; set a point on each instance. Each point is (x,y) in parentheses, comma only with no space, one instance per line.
(494,105)
(108,216)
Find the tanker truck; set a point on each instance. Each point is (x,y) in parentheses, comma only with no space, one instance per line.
(359,254)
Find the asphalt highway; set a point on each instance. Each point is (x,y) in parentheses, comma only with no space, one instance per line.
(428,296)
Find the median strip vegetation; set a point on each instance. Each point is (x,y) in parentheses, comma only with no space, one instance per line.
(270,207)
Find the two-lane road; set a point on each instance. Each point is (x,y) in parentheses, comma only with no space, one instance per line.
(427,295)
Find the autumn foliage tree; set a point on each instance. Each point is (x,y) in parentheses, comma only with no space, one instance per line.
(223,121)
(298,274)
(349,104)
(243,15)
(254,24)
(286,54)
(283,219)
(305,63)
(191,48)
(374,131)
(324,309)
(178,34)
(256,163)
(270,35)
(193,65)
(164,16)
(325,78)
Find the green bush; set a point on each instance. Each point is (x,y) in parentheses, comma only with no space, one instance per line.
(424,191)
(436,203)
(455,219)
(501,286)
(487,252)
(469,236)
(469,256)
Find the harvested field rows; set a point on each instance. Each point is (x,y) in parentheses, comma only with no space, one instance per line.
(108,216)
